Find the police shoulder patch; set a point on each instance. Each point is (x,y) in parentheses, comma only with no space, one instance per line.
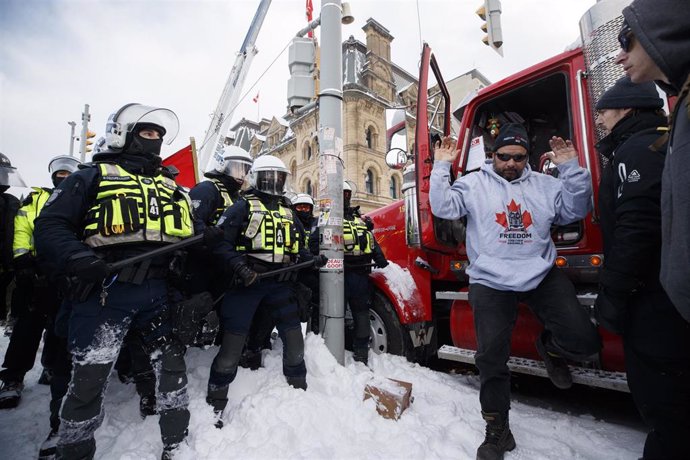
(53,196)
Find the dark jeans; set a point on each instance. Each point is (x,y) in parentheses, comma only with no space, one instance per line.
(567,329)
(657,360)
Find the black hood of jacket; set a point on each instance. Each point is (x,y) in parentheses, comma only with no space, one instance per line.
(145,164)
(627,127)
(661,27)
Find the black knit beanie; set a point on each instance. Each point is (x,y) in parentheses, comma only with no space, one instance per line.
(512,134)
(625,94)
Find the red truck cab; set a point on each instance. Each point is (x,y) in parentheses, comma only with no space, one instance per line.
(424,293)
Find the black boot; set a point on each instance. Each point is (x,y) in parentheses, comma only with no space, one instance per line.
(147,405)
(556,366)
(498,440)
(251,359)
(48,449)
(10,393)
(45,377)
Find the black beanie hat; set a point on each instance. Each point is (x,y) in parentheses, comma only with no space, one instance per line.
(625,94)
(512,134)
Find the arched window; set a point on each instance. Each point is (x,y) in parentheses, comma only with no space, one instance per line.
(306,151)
(293,169)
(307,188)
(369,182)
(393,189)
(371,137)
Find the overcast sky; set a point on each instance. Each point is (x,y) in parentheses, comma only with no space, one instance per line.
(57,55)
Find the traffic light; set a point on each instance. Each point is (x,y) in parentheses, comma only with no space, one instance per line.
(89,142)
(490,12)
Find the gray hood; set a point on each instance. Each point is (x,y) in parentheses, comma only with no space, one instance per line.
(663,29)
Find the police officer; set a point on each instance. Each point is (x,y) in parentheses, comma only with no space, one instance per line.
(360,248)
(119,207)
(261,235)
(9,204)
(209,199)
(303,206)
(36,300)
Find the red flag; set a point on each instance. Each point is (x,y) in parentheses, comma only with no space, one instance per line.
(256,98)
(185,162)
(310,9)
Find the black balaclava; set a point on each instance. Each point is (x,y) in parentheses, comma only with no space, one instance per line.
(305,217)
(142,155)
(57,180)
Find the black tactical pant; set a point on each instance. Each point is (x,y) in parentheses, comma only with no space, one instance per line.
(36,307)
(358,293)
(96,333)
(657,360)
(567,329)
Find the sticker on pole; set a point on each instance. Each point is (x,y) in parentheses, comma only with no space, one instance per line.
(333,264)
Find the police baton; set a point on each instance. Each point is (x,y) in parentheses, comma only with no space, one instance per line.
(289,268)
(116,266)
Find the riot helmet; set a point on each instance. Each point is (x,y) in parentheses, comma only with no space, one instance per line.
(9,176)
(66,163)
(347,194)
(303,205)
(268,174)
(233,161)
(130,129)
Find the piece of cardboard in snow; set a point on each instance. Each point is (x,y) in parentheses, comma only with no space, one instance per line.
(392,396)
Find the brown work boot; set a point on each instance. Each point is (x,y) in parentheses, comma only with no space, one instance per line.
(498,440)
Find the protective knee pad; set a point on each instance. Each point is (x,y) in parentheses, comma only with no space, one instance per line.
(85,394)
(173,370)
(361,319)
(293,350)
(228,357)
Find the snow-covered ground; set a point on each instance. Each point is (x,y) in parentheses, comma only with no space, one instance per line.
(267,419)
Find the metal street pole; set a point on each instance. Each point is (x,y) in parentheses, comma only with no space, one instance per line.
(332,311)
(85,119)
(71,137)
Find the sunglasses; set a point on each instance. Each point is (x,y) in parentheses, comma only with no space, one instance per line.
(625,37)
(519,158)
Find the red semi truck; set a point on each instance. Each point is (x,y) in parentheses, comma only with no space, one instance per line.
(423,294)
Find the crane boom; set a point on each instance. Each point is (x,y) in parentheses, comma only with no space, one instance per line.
(215,135)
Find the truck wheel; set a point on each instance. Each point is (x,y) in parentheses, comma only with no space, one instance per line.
(386,334)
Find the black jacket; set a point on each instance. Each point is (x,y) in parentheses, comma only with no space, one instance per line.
(58,229)
(234,221)
(206,198)
(662,28)
(9,205)
(629,203)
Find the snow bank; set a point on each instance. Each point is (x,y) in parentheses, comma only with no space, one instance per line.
(266,418)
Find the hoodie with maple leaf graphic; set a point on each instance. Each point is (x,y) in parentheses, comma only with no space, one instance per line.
(508,241)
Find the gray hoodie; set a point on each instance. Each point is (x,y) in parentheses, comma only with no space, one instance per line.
(508,242)
(663,29)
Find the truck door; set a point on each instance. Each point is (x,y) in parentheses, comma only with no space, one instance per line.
(432,122)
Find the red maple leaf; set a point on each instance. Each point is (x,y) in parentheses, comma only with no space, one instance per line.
(502,220)
(526,219)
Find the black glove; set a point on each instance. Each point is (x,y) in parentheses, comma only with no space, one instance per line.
(382,263)
(368,222)
(320,260)
(213,236)
(246,274)
(610,310)
(89,269)
(24,262)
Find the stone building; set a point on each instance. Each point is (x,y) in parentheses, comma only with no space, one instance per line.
(371,84)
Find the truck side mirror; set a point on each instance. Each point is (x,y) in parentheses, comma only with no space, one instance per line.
(396,158)
(396,138)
